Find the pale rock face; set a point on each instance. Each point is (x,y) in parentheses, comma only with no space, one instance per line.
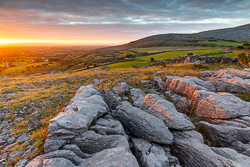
(219,105)
(166,111)
(142,124)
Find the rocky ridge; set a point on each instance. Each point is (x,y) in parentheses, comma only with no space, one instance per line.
(103,128)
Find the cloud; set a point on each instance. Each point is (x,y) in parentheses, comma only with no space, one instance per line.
(128,19)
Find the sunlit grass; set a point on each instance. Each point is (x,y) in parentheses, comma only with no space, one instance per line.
(170,55)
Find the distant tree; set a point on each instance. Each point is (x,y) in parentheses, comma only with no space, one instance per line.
(243,58)
(129,55)
(239,47)
(190,53)
(246,44)
(152,59)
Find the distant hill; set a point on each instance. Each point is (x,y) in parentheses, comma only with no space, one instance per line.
(240,33)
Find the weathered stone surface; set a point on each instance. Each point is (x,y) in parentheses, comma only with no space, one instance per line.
(74,148)
(241,147)
(159,83)
(208,85)
(79,116)
(191,151)
(108,126)
(56,162)
(183,86)
(223,133)
(91,142)
(122,88)
(37,162)
(53,145)
(166,111)
(61,134)
(22,163)
(16,153)
(149,154)
(33,123)
(111,158)
(219,105)
(238,159)
(66,154)
(242,74)
(87,91)
(160,73)
(137,96)
(206,73)
(142,124)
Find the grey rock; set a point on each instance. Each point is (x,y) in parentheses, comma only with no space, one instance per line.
(53,145)
(108,126)
(30,150)
(37,162)
(23,137)
(219,105)
(74,148)
(191,151)
(166,111)
(183,86)
(91,142)
(16,153)
(56,162)
(238,159)
(208,85)
(160,73)
(206,73)
(22,163)
(159,82)
(122,88)
(137,96)
(33,123)
(241,147)
(111,158)
(224,132)
(66,154)
(96,81)
(149,154)
(88,110)
(142,124)
(61,134)
(87,91)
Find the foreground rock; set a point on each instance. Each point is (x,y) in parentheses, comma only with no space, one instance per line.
(166,111)
(142,124)
(219,105)
(222,133)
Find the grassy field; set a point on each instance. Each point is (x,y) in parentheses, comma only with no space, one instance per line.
(169,55)
(170,49)
(228,55)
(220,42)
(127,64)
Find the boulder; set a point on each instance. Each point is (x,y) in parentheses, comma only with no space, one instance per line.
(91,142)
(183,86)
(53,145)
(56,162)
(122,88)
(219,105)
(108,126)
(241,147)
(111,158)
(22,163)
(238,159)
(223,133)
(33,123)
(79,115)
(143,125)
(208,85)
(160,73)
(166,111)
(87,91)
(205,74)
(189,148)
(149,154)
(137,96)
(37,162)
(65,154)
(159,83)
(74,148)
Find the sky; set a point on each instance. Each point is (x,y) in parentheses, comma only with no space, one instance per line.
(113,21)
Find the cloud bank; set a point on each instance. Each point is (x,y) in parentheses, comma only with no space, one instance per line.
(121,20)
